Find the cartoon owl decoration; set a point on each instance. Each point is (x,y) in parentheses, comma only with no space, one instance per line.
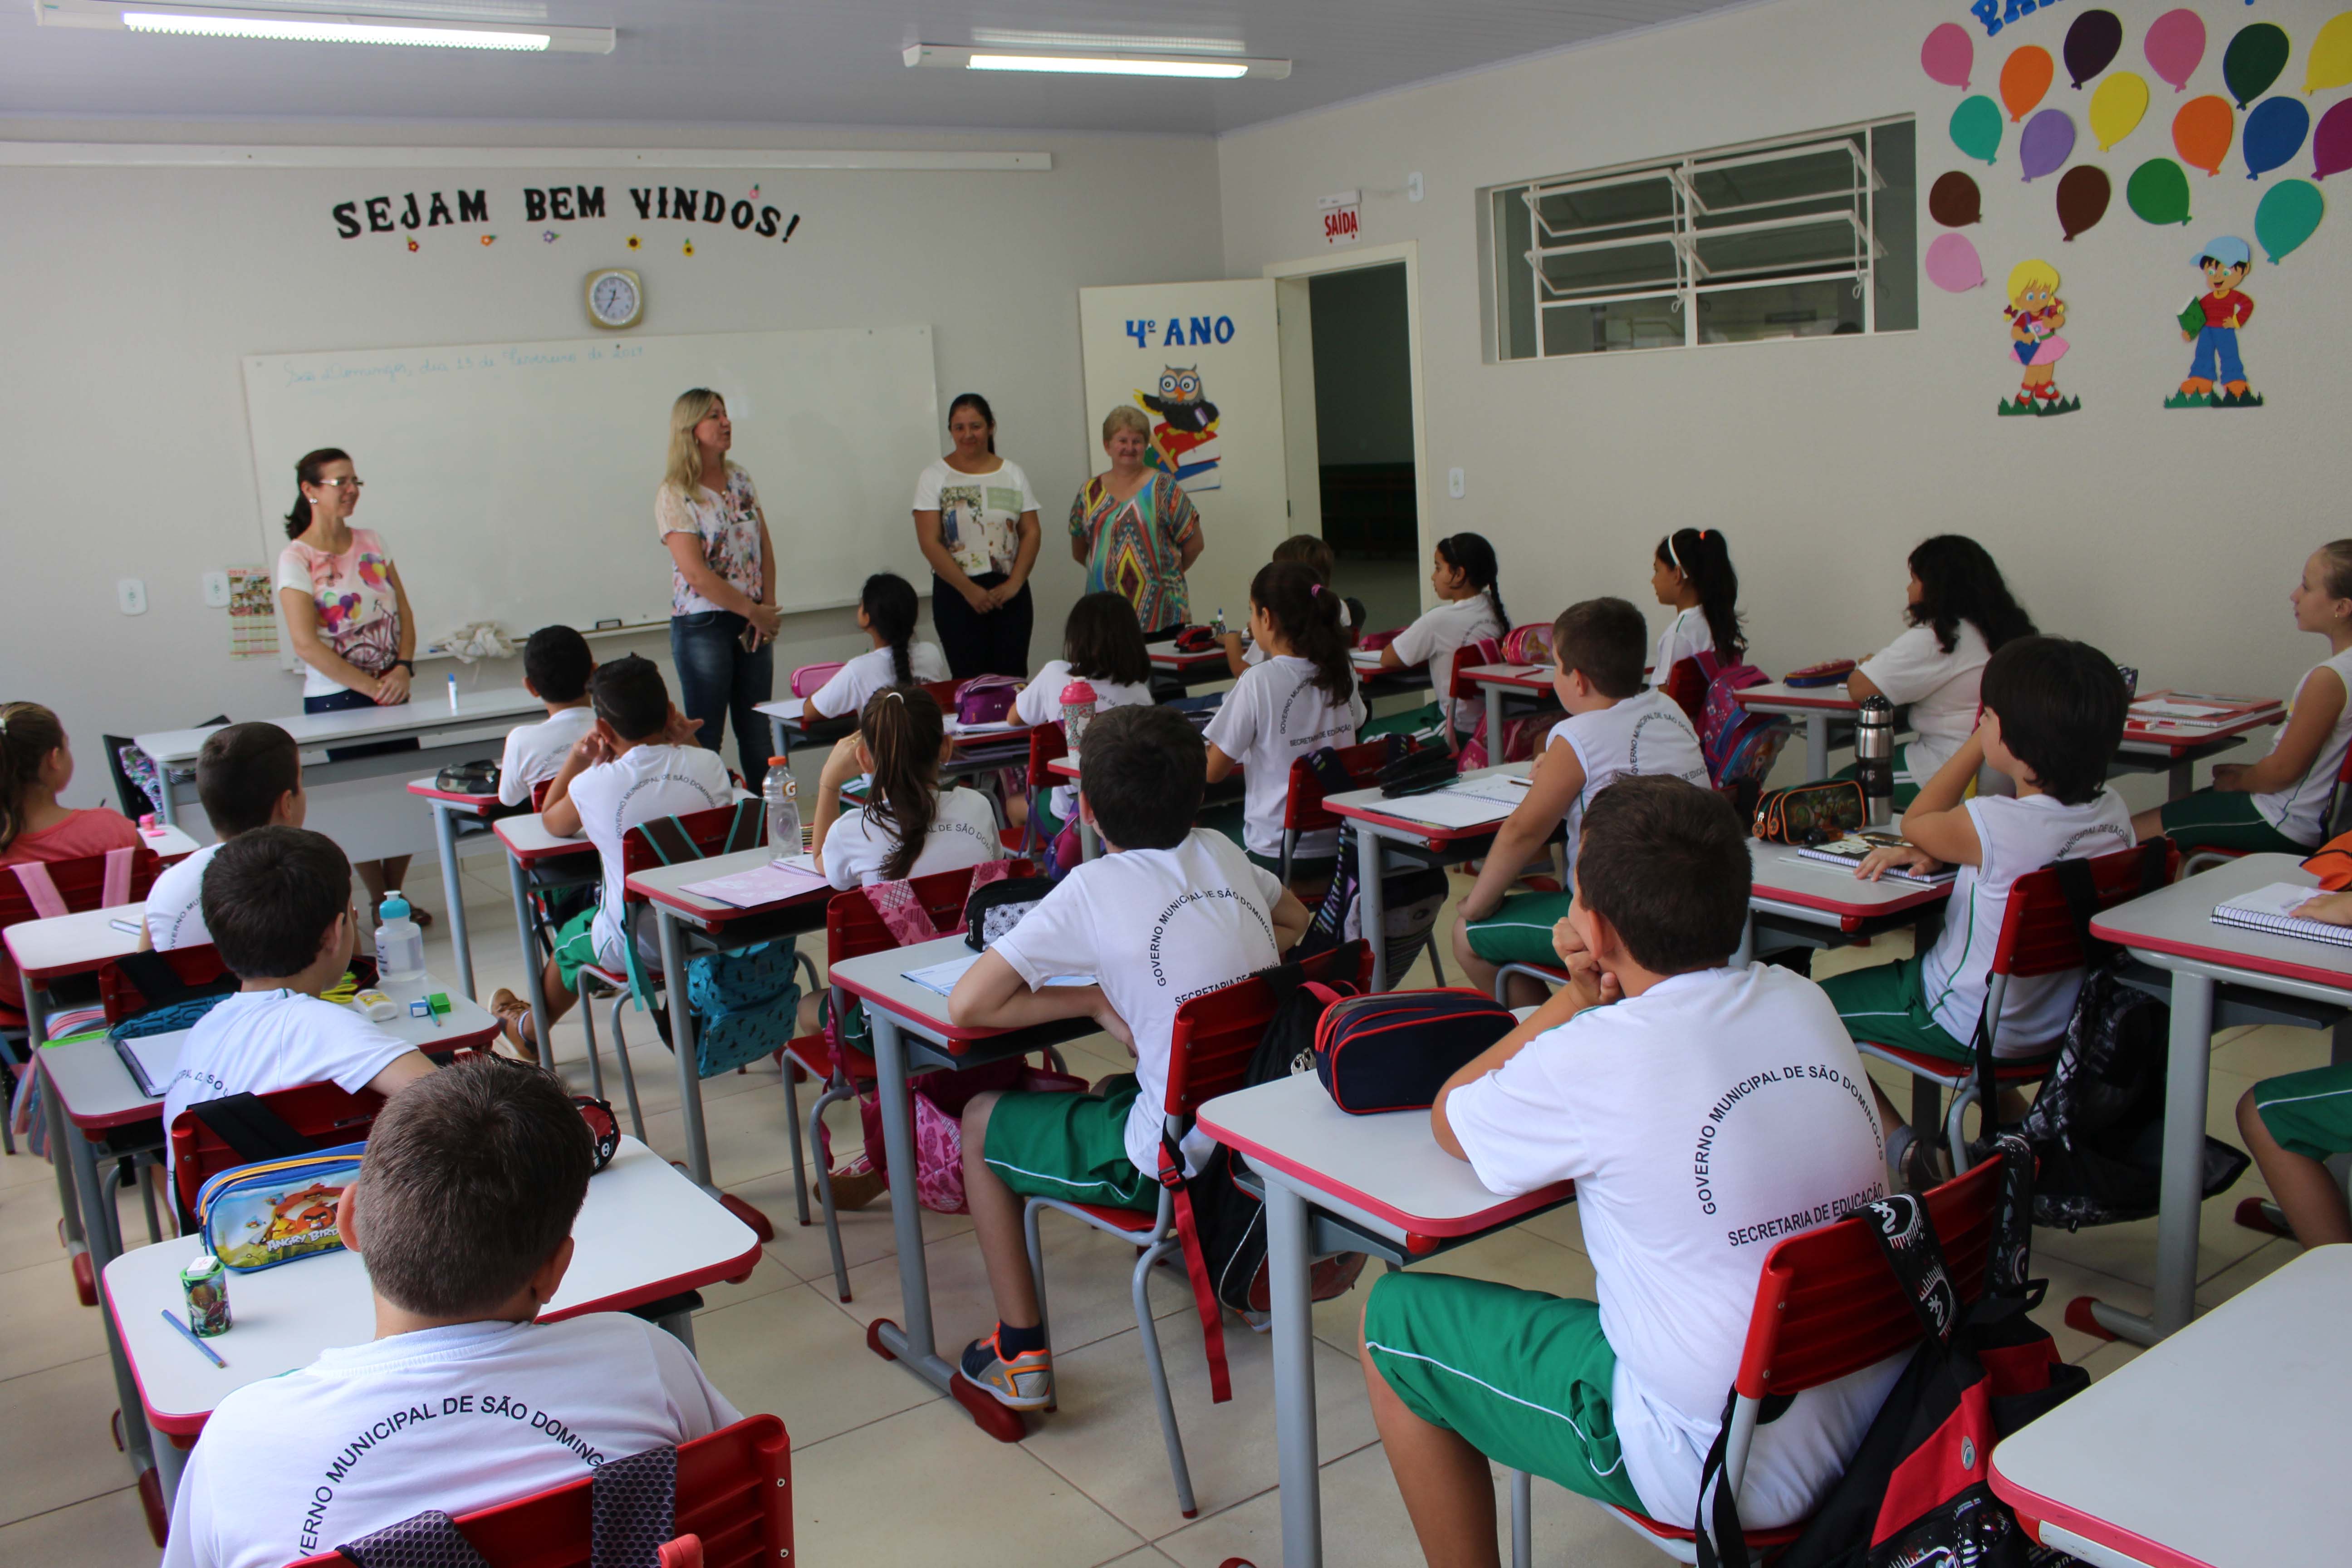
(1180,402)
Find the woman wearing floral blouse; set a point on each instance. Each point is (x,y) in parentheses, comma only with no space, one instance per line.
(1134,530)
(723,619)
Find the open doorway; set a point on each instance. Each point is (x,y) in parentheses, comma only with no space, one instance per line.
(1366,480)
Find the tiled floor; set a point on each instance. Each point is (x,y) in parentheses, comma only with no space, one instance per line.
(890,1472)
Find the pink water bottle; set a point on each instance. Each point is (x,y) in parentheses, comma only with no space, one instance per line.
(1077,711)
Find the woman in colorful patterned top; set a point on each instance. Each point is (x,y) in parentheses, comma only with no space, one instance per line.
(976,521)
(1134,530)
(722,617)
(348,617)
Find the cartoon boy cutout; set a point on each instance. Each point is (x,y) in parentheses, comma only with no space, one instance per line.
(2225,261)
(2035,314)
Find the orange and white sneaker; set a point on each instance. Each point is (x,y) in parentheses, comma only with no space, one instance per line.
(1023,1382)
(2235,388)
(2196,386)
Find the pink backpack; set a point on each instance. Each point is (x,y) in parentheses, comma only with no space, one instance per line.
(809,677)
(1529,644)
(1740,746)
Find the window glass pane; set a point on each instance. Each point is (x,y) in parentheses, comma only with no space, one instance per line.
(1807,246)
(1828,173)
(1823,308)
(1894,223)
(1611,270)
(1620,324)
(1515,285)
(1648,204)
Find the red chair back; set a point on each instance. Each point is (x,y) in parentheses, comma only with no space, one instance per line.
(120,996)
(1828,1306)
(709,829)
(1303,811)
(2037,933)
(734,1493)
(1216,1034)
(1484,650)
(320,1113)
(81,883)
(852,929)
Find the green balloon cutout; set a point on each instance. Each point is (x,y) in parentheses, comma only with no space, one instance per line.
(2290,212)
(1975,128)
(2158,191)
(2255,60)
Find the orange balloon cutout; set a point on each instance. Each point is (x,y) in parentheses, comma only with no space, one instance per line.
(2203,129)
(2024,77)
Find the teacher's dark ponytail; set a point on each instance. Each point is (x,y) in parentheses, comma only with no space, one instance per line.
(978,404)
(307,472)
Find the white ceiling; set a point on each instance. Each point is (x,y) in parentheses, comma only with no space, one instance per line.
(810,62)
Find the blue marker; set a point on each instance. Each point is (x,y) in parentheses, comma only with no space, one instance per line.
(453,691)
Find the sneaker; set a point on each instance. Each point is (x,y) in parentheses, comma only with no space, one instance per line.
(1025,1382)
(513,1014)
(2235,388)
(2196,386)
(856,1184)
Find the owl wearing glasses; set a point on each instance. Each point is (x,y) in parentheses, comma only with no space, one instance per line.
(1179,400)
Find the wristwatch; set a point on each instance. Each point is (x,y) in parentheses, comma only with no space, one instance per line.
(407,664)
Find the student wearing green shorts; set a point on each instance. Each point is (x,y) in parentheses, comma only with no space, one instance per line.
(1615,727)
(2294,1124)
(1169,912)
(1704,1111)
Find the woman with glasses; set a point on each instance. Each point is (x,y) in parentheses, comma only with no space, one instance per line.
(348,616)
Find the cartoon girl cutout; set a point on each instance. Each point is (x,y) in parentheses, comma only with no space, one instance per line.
(2036,315)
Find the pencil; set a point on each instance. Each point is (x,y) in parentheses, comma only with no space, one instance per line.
(189,1334)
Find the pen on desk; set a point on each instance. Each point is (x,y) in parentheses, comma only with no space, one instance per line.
(189,1334)
(453,691)
(128,928)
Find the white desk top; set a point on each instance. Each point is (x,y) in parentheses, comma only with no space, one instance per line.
(169,843)
(2178,922)
(426,710)
(788,709)
(1780,697)
(1392,817)
(1784,876)
(83,940)
(645,1232)
(880,980)
(1385,1172)
(2218,1445)
(662,884)
(527,839)
(1532,676)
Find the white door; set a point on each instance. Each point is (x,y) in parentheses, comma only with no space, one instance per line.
(1203,362)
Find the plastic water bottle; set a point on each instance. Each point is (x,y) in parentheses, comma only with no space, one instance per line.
(1077,711)
(399,941)
(782,796)
(1219,625)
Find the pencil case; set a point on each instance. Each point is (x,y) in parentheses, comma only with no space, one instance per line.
(1809,812)
(1395,1050)
(1830,672)
(259,1215)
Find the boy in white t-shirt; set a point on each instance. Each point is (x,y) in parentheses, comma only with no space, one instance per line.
(462,1214)
(247,776)
(641,761)
(2054,715)
(556,665)
(1168,913)
(278,903)
(1615,727)
(1704,1113)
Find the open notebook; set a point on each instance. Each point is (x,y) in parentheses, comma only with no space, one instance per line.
(152,1059)
(2271,909)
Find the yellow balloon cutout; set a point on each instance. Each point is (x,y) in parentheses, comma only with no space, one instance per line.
(2116,107)
(2331,56)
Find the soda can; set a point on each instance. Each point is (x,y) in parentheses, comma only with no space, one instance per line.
(205,1284)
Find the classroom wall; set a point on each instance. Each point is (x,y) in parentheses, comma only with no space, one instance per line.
(122,423)
(1363,367)
(2168,538)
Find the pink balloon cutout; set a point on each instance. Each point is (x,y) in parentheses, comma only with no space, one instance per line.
(1948,56)
(1953,264)
(2331,144)
(2176,46)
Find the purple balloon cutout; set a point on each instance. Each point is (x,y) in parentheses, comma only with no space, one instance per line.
(2331,144)
(2048,142)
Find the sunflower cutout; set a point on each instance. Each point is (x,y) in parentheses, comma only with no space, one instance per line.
(690,247)
(634,242)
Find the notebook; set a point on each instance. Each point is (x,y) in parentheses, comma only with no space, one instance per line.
(769,884)
(1851,850)
(2271,909)
(152,1060)
(941,978)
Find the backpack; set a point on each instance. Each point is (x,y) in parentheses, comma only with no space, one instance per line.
(1917,1491)
(1411,901)
(1529,644)
(995,907)
(1740,747)
(1522,739)
(985,699)
(745,1001)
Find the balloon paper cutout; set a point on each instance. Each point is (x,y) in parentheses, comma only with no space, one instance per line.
(2331,144)
(2274,134)
(1954,200)
(1948,56)
(2026,76)
(2176,44)
(2202,130)
(2082,197)
(1953,264)
(2091,45)
(2291,210)
(2330,65)
(1975,128)
(2048,142)
(2158,191)
(2116,107)
(2253,60)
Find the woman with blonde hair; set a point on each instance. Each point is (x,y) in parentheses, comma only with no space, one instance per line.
(722,617)
(1134,530)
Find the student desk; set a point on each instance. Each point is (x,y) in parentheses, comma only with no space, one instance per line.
(1204,666)
(1376,682)
(537,860)
(2214,1447)
(1502,681)
(1336,1183)
(1821,708)
(2173,930)
(912,1033)
(170,844)
(1385,826)
(1811,903)
(790,724)
(456,817)
(1066,766)
(643,1233)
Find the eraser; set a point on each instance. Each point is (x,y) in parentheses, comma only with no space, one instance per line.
(420,1008)
(439,1001)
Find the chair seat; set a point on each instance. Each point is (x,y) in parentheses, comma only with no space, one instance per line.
(613,979)
(1765,1540)
(816,1056)
(1952,1073)
(1106,1217)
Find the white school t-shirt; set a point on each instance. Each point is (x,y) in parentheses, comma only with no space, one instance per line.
(258,1042)
(2295,810)
(1647,732)
(1940,687)
(874,670)
(1702,1122)
(452,1418)
(535,753)
(1687,635)
(980,514)
(1253,654)
(1274,715)
(1156,927)
(1437,637)
(2014,836)
(1040,702)
(640,785)
(175,908)
(963,833)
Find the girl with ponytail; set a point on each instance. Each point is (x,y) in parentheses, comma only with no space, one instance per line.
(908,826)
(887,611)
(1463,573)
(1691,573)
(35,766)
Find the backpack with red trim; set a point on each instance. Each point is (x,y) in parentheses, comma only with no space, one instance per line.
(1740,747)
(1917,1491)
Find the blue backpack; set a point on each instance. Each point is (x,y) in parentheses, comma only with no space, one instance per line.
(1740,747)
(745,1001)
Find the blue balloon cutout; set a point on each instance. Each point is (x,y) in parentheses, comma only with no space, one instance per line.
(2274,134)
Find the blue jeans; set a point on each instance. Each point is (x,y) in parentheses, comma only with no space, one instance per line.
(2216,357)
(717,678)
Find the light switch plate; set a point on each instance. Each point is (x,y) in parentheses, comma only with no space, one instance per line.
(130,596)
(1412,186)
(1454,483)
(216,590)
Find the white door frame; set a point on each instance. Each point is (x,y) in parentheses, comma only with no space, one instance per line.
(1409,252)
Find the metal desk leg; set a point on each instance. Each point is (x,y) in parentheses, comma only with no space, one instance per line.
(1817,745)
(1288,1237)
(1494,722)
(2190,1063)
(1746,956)
(101,1222)
(170,1460)
(53,1113)
(453,897)
(95,1201)
(913,1345)
(681,1034)
(1373,911)
(2179,779)
(533,986)
(164,806)
(780,743)
(1089,841)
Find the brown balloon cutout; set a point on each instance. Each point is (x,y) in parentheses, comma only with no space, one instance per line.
(2082,196)
(1954,200)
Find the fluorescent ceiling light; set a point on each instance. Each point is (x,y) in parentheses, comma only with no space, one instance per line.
(1112,62)
(323,28)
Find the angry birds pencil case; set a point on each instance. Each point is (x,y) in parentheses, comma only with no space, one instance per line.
(259,1215)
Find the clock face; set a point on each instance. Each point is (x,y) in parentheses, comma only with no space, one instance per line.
(614,298)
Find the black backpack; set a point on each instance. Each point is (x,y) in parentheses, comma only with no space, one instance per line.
(1412,899)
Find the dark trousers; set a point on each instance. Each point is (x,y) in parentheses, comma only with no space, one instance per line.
(716,677)
(994,643)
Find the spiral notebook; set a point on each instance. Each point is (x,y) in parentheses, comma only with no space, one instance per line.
(2271,909)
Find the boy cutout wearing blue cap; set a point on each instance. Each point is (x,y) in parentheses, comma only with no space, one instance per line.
(2211,323)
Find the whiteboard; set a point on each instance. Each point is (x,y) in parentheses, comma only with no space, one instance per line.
(514,482)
